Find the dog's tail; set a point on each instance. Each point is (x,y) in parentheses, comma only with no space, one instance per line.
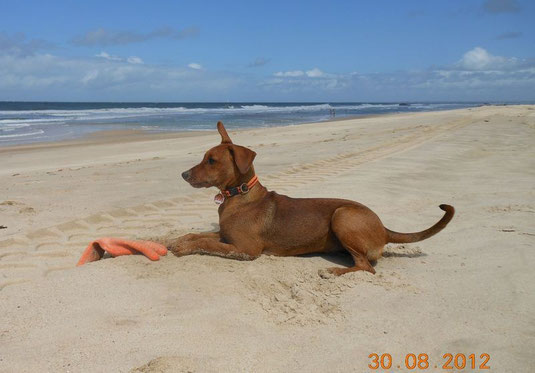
(396,237)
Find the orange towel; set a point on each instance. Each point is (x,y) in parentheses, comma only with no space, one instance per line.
(118,246)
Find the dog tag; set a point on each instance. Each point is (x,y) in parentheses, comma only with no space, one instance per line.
(219,198)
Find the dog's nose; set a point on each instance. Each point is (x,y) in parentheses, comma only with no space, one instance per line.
(186,174)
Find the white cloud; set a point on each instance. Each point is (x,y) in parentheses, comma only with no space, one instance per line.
(293,73)
(90,76)
(134,59)
(45,76)
(314,73)
(304,85)
(195,66)
(479,59)
(109,57)
(478,75)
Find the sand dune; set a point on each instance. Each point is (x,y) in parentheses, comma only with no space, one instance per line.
(469,289)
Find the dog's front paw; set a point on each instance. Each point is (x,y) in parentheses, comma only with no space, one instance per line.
(178,248)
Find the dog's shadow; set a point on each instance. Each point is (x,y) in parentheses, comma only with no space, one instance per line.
(343,258)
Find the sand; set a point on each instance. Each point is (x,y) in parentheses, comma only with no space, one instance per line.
(469,289)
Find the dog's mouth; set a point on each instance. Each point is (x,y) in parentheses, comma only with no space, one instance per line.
(199,184)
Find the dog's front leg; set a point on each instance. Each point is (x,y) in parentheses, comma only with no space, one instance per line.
(197,236)
(213,246)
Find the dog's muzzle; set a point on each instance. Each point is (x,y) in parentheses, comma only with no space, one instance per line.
(186,175)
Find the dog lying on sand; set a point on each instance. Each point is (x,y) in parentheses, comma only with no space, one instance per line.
(255,221)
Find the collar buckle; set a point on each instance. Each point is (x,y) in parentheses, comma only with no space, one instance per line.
(243,189)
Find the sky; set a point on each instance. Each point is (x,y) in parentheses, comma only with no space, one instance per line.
(249,51)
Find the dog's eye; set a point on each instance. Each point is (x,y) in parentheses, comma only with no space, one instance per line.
(211,160)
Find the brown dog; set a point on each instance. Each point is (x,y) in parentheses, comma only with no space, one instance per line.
(253,221)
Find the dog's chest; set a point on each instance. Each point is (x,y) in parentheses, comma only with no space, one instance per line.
(251,220)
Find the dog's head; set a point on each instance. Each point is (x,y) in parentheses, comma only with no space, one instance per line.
(223,166)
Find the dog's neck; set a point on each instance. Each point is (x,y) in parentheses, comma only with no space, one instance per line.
(254,192)
(239,180)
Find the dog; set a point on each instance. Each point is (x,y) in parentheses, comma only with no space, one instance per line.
(255,221)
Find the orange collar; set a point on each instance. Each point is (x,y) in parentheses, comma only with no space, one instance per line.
(231,192)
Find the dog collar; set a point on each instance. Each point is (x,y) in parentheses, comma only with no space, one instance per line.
(240,189)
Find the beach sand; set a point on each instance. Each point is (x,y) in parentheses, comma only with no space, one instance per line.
(469,289)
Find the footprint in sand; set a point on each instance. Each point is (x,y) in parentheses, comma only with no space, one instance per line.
(10,203)
(27,210)
(24,209)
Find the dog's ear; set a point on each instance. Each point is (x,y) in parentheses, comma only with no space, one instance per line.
(243,157)
(225,139)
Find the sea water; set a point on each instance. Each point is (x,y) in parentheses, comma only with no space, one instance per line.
(30,122)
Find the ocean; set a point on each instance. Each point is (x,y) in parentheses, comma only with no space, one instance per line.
(31,122)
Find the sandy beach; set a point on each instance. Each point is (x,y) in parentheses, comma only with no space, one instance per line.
(470,289)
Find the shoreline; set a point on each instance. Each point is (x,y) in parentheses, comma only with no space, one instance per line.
(102,137)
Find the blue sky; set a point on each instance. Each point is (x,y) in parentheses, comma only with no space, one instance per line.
(268,51)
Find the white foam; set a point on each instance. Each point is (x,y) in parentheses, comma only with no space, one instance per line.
(40,132)
(148,111)
(41,117)
(58,116)
(28,122)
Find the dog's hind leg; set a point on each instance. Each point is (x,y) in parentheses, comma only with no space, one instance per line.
(361,264)
(361,233)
